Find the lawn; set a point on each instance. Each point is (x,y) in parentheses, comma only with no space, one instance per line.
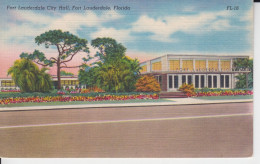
(84,102)
(225,97)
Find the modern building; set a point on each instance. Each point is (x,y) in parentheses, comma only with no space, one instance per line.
(66,81)
(202,71)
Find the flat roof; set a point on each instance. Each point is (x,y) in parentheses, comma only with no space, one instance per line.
(53,76)
(196,55)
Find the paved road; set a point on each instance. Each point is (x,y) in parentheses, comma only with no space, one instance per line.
(214,130)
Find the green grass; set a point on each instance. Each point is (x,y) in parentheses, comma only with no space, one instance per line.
(8,92)
(83,102)
(225,97)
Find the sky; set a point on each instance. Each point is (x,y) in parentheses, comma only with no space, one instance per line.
(151,28)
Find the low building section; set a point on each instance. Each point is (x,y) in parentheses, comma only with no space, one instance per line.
(202,71)
(66,82)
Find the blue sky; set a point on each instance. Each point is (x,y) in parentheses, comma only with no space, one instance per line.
(149,29)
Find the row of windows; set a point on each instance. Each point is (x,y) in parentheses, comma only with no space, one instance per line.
(69,82)
(7,83)
(10,83)
(188,65)
(199,82)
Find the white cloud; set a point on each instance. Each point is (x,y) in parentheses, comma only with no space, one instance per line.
(162,28)
(119,35)
(30,24)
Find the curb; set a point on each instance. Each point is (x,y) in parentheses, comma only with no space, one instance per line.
(199,102)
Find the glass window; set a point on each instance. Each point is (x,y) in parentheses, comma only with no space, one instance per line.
(215,81)
(189,79)
(222,81)
(227,81)
(176,81)
(170,81)
(209,81)
(66,82)
(62,82)
(183,79)
(7,83)
(196,81)
(202,81)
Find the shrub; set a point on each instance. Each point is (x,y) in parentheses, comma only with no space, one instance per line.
(147,83)
(188,89)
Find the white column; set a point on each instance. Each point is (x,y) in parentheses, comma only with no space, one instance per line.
(193,80)
(148,66)
(231,64)
(180,80)
(180,63)
(218,80)
(194,61)
(230,81)
(164,63)
(219,65)
(207,64)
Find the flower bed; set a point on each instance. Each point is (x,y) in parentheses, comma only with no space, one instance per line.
(81,97)
(219,92)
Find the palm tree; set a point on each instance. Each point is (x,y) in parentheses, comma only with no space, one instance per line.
(28,77)
(44,83)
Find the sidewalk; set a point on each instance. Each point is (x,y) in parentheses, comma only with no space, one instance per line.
(176,101)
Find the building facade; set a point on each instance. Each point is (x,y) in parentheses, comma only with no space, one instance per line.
(202,71)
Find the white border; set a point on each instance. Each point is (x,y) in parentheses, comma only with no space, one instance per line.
(250,160)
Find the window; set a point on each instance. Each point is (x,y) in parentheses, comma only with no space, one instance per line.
(174,65)
(227,81)
(183,79)
(215,82)
(159,79)
(187,64)
(196,81)
(200,64)
(225,65)
(143,69)
(209,81)
(176,81)
(202,81)
(157,66)
(7,83)
(189,79)
(170,81)
(213,65)
(222,81)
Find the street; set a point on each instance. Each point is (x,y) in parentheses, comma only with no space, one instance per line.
(212,130)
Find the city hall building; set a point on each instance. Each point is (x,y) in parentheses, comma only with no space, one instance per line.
(210,71)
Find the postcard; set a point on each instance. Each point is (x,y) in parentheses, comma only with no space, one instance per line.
(126,78)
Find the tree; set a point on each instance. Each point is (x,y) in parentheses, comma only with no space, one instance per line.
(87,76)
(109,49)
(67,45)
(244,64)
(115,77)
(29,78)
(113,72)
(147,83)
(64,73)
